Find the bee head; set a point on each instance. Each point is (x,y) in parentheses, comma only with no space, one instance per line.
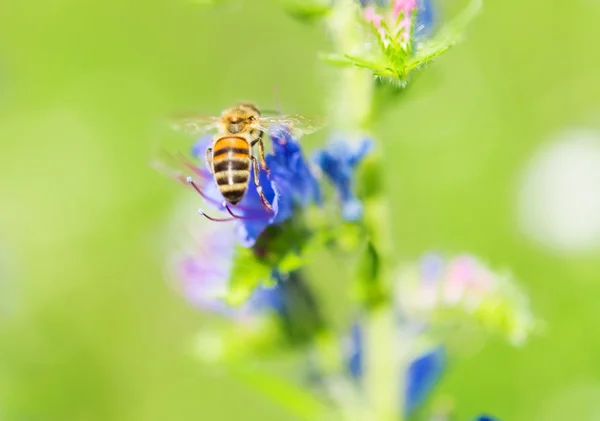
(241,118)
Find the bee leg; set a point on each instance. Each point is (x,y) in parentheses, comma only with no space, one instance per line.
(209,160)
(259,189)
(261,151)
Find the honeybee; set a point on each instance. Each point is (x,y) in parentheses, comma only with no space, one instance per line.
(230,158)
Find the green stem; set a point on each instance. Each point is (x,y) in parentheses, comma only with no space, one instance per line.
(352,108)
(352,103)
(382,383)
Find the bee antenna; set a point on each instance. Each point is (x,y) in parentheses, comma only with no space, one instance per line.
(276,99)
(269,111)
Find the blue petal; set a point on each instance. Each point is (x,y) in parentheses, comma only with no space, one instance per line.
(290,183)
(422,376)
(432,267)
(251,207)
(338,161)
(352,209)
(485,418)
(289,169)
(425,18)
(267,298)
(355,360)
(199,148)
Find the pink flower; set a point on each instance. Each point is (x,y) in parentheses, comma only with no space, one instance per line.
(406,6)
(373,17)
(467,279)
(401,30)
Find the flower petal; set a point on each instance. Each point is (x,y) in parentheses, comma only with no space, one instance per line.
(338,161)
(423,374)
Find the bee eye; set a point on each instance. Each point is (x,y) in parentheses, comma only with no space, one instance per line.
(252,118)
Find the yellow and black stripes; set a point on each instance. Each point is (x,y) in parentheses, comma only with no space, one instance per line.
(231,167)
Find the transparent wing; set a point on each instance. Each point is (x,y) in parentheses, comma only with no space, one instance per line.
(194,124)
(297,124)
(178,167)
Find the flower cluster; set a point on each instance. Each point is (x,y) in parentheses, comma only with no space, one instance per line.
(237,263)
(399,37)
(290,185)
(430,295)
(445,294)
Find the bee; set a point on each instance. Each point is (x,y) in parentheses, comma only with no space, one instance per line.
(230,158)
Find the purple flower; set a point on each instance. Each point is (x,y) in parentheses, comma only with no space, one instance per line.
(288,186)
(338,161)
(204,270)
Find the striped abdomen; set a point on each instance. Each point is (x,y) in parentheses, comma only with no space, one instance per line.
(231,167)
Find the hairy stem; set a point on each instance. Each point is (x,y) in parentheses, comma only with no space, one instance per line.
(352,104)
(352,107)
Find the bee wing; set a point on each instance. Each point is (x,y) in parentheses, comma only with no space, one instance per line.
(194,124)
(178,167)
(297,124)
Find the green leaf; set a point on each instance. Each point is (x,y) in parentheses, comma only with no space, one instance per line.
(307,10)
(359,62)
(301,318)
(290,262)
(238,342)
(425,56)
(247,273)
(369,285)
(446,38)
(283,247)
(335,59)
(394,51)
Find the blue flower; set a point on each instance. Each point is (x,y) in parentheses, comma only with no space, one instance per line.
(288,185)
(485,418)
(290,172)
(423,374)
(425,18)
(355,364)
(338,161)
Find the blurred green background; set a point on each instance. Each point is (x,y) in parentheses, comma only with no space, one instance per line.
(89,329)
